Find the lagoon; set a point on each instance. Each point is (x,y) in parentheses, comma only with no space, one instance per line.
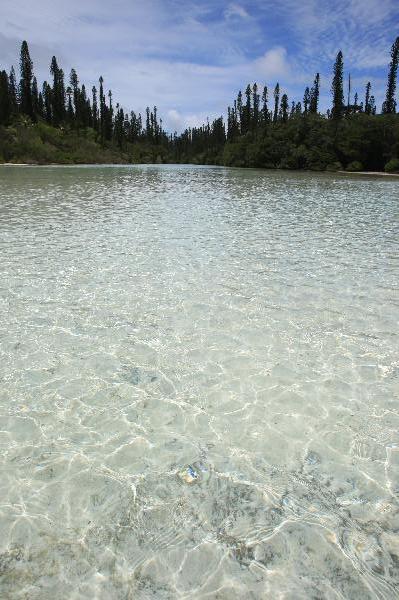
(239,323)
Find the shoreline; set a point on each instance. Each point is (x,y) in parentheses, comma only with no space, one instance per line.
(371,173)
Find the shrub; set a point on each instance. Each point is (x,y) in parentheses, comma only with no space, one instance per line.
(355,166)
(392,166)
(334,166)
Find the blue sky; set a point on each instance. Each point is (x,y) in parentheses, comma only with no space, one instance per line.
(191,58)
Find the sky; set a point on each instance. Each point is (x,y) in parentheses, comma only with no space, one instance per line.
(190,58)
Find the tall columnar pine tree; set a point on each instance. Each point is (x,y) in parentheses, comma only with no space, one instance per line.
(337,88)
(247,113)
(389,106)
(85,108)
(367,107)
(276,95)
(102,108)
(306,101)
(70,112)
(356,106)
(94,107)
(58,93)
(47,95)
(25,86)
(348,102)
(284,108)
(40,105)
(373,106)
(265,110)
(255,104)
(5,103)
(156,124)
(35,97)
(239,110)
(314,95)
(12,86)
(74,86)
(108,116)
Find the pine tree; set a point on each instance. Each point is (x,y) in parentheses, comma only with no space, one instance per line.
(306,101)
(255,104)
(35,98)
(284,108)
(58,93)
(337,88)
(389,106)
(108,117)
(265,110)
(276,95)
(348,103)
(70,112)
(247,116)
(12,86)
(367,107)
(25,86)
(5,101)
(47,93)
(102,108)
(148,123)
(230,134)
(40,106)
(356,102)
(314,95)
(94,107)
(239,109)
(85,117)
(156,126)
(74,86)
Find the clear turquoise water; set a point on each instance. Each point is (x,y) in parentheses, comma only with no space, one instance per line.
(242,322)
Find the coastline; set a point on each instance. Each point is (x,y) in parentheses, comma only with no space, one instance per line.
(373,173)
(370,173)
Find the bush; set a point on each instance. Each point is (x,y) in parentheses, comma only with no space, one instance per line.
(334,166)
(392,166)
(355,166)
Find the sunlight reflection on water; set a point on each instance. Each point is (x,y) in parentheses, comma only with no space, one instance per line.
(157,317)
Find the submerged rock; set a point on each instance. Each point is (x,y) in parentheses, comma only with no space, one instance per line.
(312,458)
(188,475)
(138,376)
(192,473)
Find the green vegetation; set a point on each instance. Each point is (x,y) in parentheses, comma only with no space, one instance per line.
(392,166)
(61,124)
(41,143)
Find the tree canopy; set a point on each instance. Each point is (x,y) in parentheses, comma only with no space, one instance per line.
(290,134)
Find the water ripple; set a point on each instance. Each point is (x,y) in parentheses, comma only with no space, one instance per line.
(243,323)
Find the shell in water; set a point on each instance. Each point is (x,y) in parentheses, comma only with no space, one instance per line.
(188,475)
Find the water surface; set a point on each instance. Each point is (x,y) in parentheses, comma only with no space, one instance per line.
(238,321)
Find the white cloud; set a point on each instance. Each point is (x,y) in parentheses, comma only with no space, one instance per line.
(192,57)
(177,121)
(274,63)
(236,10)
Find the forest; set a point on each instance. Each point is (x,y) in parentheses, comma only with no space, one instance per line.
(63,122)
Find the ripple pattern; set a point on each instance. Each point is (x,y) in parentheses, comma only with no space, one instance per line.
(162,316)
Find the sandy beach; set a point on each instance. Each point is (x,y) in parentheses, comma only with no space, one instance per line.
(374,173)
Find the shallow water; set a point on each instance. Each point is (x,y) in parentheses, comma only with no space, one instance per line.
(241,322)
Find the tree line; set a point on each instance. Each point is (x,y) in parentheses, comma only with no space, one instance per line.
(263,128)
(68,104)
